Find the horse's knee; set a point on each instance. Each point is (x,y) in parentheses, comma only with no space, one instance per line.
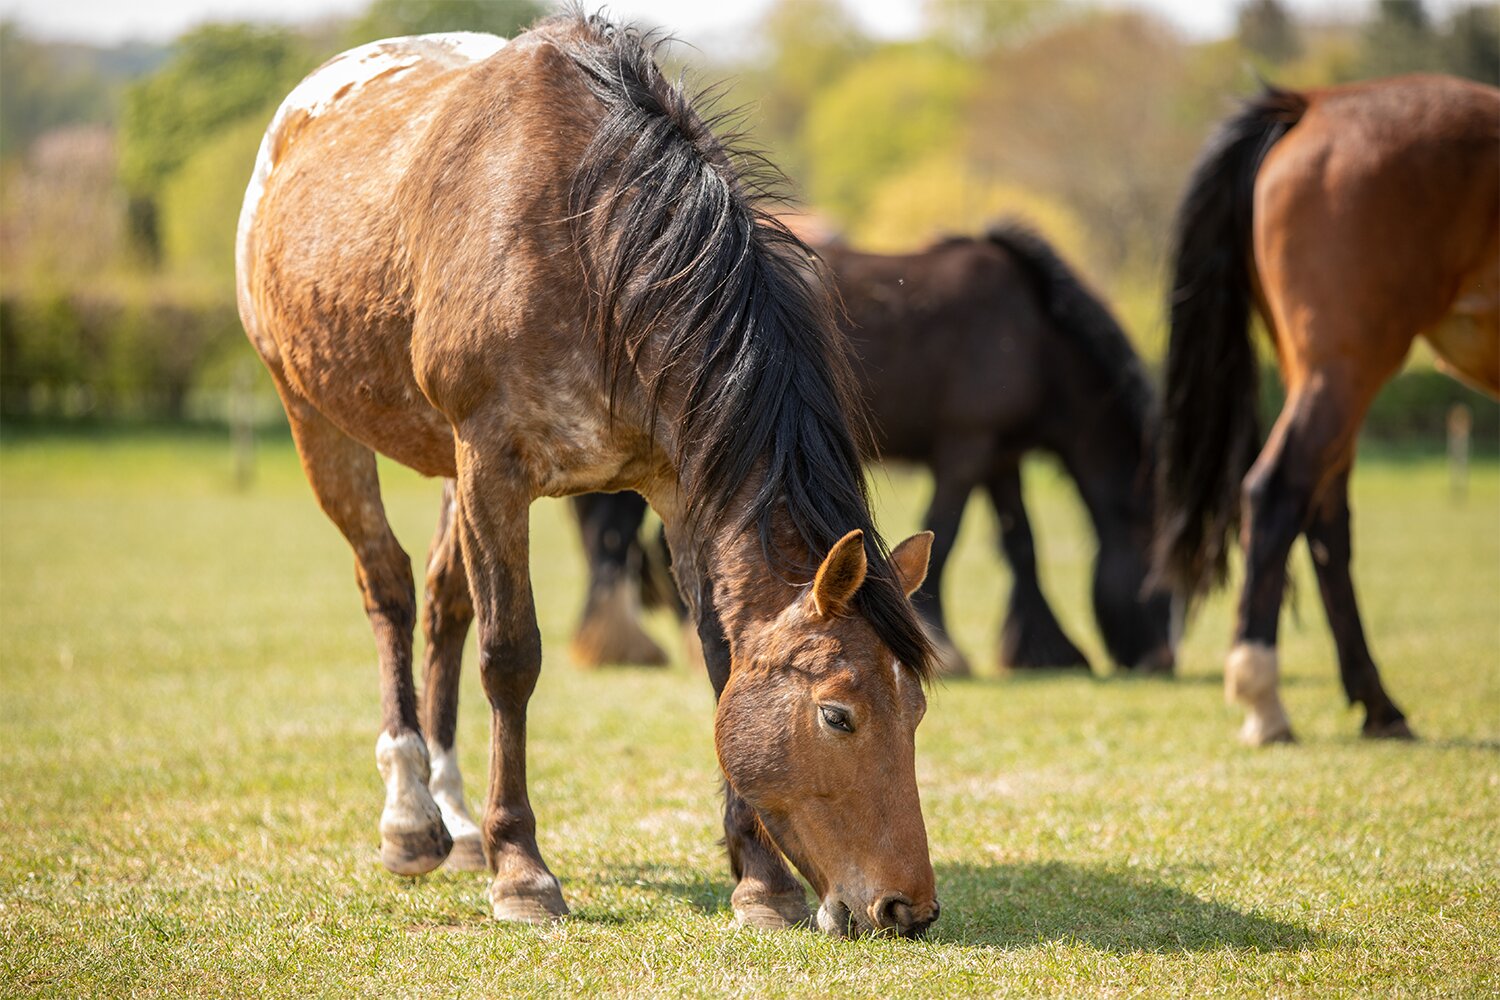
(509,666)
(386,583)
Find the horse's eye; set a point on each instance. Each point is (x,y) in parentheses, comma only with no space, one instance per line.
(837,718)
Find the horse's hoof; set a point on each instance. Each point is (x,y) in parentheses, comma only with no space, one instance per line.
(770,911)
(413,839)
(1396,729)
(1038,646)
(468,854)
(415,852)
(611,633)
(947,660)
(1259,731)
(1160,663)
(536,901)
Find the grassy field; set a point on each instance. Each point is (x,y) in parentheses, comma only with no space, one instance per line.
(188,798)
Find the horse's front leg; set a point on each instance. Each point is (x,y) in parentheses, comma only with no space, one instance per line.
(766,893)
(446,616)
(493,506)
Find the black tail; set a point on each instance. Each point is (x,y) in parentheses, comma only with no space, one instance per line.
(1210,428)
(1081,315)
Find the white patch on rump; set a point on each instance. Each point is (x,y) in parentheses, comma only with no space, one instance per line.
(341,77)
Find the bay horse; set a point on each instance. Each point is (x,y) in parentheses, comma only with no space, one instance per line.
(972,353)
(1352,220)
(531,268)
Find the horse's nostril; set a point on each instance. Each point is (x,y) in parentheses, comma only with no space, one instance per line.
(891,912)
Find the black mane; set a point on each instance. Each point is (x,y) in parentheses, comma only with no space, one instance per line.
(1081,314)
(681,254)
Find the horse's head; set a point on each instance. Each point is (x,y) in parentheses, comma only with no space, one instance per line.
(1135,612)
(816,730)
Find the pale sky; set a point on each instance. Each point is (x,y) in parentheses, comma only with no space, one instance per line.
(707,23)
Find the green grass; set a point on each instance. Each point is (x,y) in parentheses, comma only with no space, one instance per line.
(188,795)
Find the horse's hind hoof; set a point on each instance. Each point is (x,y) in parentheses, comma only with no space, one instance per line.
(947,660)
(1038,643)
(468,854)
(1396,729)
(535,901)
(770,911)
(1255,733)
(415,852)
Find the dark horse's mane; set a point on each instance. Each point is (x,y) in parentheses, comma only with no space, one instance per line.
(1083,317)
(677,246)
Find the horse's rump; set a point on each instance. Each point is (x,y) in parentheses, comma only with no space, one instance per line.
(393,188)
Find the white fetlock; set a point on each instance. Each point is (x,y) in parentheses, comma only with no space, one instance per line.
(447,788)
(1252,675)
(413,840)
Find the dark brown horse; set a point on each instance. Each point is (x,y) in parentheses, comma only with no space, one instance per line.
(533,270)
(1353,219)
(972,353)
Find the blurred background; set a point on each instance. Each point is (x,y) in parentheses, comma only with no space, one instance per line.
(127,133)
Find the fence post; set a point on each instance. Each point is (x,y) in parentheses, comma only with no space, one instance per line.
(242,426)
(1460,423)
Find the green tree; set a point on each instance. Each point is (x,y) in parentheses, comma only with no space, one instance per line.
(1471,45)
(391,18)
(1266,28)
(38,92)
(892,109)
(978,26)
(200,206)
(1399,39)
(218,74)
(809,44)
(1105,115)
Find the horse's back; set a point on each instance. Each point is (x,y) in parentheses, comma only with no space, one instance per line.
(1375,212)
(950,343)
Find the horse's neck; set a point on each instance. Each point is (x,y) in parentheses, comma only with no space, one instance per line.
(729,585)
(1107,460)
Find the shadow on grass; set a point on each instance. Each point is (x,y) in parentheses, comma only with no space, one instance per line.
(1019,905)
(705,894)
(1025,904)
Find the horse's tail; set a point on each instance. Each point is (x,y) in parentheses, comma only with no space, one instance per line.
(1080,314)
(1210,428)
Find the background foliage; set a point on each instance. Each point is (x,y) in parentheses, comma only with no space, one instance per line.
(122,169)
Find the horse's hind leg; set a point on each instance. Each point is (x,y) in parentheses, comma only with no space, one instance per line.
(1031,636)
(446,615)
(1310,445)
(343,475)
(493,506)
(610,629)
(1329,543)
(957,467)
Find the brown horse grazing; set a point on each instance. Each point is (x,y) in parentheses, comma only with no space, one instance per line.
(973,352)
(1355,219)
(531,268)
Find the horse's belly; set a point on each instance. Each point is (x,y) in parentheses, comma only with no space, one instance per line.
(1468,339)
(1468,347)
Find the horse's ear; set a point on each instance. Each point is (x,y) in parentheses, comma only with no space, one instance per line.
(909,559)
(842,572)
